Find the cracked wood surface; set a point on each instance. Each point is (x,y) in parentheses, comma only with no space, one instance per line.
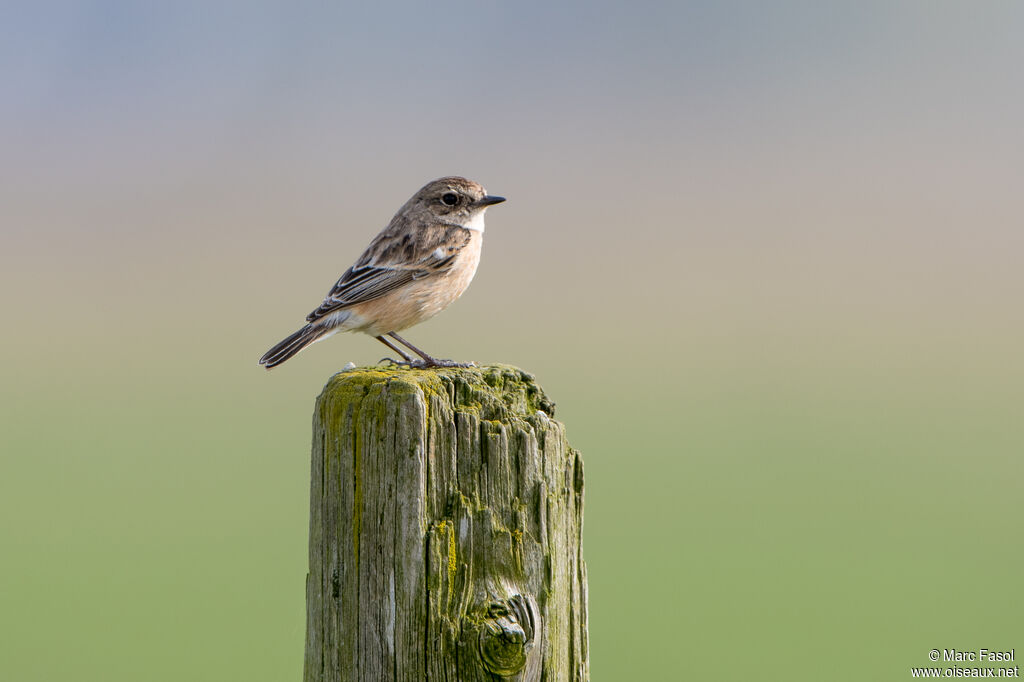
(446,508)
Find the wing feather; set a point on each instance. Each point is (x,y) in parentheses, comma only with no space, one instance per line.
(367,284)
(390,263)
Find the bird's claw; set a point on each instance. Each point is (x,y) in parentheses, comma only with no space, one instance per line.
(426,364)
(451,363)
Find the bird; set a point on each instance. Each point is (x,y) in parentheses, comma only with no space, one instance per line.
(416,267)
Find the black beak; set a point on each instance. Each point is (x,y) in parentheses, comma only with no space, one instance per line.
(488,200)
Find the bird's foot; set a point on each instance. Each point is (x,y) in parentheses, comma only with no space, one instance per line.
(434,362)
(427,363)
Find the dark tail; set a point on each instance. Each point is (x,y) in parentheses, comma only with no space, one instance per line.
(292,345)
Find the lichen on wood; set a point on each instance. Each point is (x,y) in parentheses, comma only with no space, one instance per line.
(446,510)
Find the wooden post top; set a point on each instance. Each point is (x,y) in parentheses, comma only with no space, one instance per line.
(495,389)
(446,511)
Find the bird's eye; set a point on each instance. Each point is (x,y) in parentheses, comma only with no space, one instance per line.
(449,198)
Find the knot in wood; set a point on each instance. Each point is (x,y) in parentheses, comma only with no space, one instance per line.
(507,636)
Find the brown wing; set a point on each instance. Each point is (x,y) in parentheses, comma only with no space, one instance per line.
(392,261)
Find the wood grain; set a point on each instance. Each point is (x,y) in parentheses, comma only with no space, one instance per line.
(446,509)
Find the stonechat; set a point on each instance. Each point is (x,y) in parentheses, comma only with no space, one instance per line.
(415,268)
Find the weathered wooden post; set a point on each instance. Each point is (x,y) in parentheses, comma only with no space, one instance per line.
(444,538)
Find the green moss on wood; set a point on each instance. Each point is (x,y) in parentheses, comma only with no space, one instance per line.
(512,391)
(456,519)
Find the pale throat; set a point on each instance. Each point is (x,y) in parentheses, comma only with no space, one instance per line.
(476,221)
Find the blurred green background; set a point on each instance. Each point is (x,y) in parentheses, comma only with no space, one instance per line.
(767,259)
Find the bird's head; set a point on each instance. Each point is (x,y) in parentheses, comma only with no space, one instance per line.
(451,200)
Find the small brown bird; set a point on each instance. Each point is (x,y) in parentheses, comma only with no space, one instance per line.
(415,268)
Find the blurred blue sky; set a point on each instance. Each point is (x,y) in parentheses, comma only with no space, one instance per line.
(444,76)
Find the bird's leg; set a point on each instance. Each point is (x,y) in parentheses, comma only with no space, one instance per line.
(414,349)
(427,361)
(405,356)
